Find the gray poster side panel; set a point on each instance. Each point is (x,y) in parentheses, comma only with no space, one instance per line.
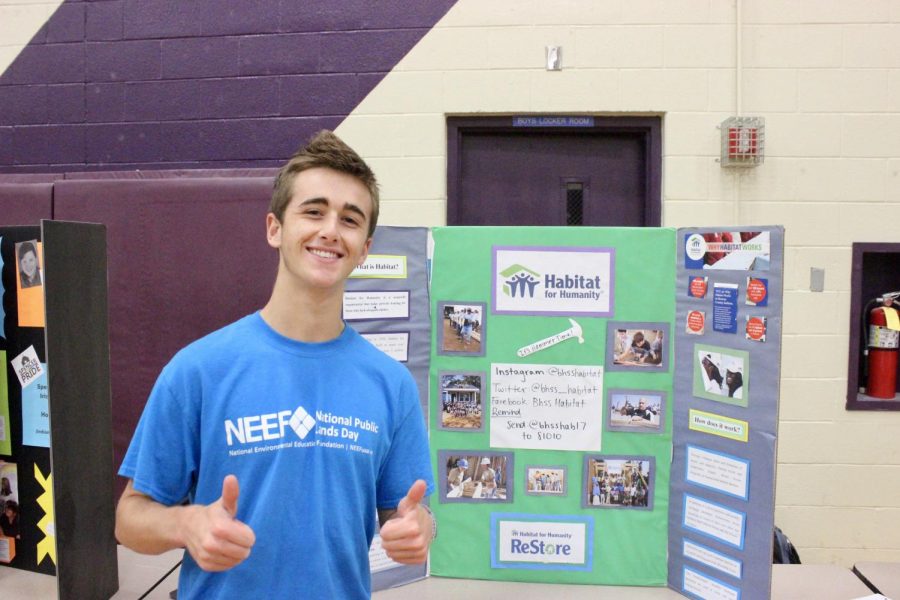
(80,408)
(753,556)
(412,243)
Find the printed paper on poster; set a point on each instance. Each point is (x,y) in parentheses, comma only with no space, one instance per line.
(381,266)
(708,588)
(553,281)
(546,407)
(378,558)
(360,306)
(727,250)
(718,471)
(714,520)
(5,435)
(27,367)
(36,412)
(697,286)
(722,426)
(2,312)
(695,323)
(711,558)
(755,328)
(725,300)
(757,293)
(395,345)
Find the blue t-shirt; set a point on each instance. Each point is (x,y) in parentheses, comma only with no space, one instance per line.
(319,435)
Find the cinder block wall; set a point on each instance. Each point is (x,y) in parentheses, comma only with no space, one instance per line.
(162,84)
(825,75)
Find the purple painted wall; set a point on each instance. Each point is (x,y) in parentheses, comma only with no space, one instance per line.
(163,84)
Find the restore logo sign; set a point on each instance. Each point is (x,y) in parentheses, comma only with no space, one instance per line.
(559,544)
(538,547)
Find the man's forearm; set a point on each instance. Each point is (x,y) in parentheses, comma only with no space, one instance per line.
(148,527)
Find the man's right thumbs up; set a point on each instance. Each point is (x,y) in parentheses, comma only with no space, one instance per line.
(214,537)
(230,492)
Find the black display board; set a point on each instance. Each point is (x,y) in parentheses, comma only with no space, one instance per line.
(73,344)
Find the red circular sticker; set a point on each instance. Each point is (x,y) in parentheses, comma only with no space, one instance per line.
(698,287)
(756,328)
(695,321)
(756,291)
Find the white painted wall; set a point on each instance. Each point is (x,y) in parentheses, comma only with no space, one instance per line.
(825,75)
(19,21)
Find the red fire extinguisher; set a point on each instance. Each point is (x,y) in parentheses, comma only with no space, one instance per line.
(883,348)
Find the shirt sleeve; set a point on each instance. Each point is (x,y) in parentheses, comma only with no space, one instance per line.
(408,457)
(163,457)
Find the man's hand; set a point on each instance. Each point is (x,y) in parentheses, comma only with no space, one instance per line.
(212,534)
(406,536)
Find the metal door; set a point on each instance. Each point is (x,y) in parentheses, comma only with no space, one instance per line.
(603,173)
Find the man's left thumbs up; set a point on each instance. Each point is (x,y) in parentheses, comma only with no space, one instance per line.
(406,535)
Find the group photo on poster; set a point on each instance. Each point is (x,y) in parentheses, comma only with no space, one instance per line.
(546,481)
(475,477)
(462,328)
(462,398)
(620,482)
(9,501)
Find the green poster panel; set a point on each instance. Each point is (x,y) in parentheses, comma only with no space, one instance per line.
(550,414)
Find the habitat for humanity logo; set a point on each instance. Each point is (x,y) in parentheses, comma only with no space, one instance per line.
(519,281)
(330,431)
(562,280)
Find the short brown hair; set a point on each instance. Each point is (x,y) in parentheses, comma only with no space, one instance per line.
(325,149)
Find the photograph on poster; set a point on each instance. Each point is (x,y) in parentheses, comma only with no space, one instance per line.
(475,476)
(639,411)
(637,346)
(9,500)
(618,482)
(462,330)
(28,265)
(462,400)
(546,481)
(30,283)
(721,374)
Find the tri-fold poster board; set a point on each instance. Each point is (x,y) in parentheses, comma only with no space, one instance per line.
(56,488)
(603,405)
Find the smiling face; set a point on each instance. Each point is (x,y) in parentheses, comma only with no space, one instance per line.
(323,235)
(28,264)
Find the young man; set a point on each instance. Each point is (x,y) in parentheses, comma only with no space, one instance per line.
(286,430)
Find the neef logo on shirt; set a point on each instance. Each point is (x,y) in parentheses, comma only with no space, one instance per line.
(268,427)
